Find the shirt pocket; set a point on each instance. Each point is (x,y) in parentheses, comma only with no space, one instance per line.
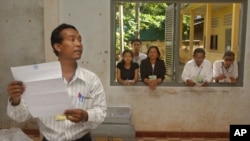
(84,100)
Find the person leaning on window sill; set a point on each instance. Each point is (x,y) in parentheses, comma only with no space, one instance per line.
(127,70)
(197,71)
(152,69)
(226,70)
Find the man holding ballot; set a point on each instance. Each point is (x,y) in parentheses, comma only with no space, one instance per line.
(85,90)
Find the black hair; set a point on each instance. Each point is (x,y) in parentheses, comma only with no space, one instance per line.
(229,54)
(127,51)
(136,40)
(157,50)
(56,36)
(199,50)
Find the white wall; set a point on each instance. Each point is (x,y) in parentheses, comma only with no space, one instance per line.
(21,38)
(167,108)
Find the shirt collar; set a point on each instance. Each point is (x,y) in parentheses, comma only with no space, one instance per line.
(196,64)
(80,74)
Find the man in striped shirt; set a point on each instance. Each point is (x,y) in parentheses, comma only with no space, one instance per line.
(84,89)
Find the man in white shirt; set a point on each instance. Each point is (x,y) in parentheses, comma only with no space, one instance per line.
(137,55)
(226,70)
(197,71)
(81,83)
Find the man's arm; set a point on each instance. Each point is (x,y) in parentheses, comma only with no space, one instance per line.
(185,73)
(19,112)
(209,73)
(16,108)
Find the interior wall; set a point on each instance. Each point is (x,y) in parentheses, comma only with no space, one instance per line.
(21,38)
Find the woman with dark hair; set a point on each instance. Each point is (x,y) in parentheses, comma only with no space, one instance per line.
(127,70)
(152,68)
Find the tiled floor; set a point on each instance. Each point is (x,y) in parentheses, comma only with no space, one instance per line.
(182,139)
(35,138)
(164,139)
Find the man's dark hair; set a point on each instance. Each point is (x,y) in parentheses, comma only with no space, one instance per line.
(56,36)
(135,40)
(229,54)
(199,50)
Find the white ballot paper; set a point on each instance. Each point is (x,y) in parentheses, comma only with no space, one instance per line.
(45,91)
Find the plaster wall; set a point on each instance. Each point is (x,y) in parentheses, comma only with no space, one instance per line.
(21,38)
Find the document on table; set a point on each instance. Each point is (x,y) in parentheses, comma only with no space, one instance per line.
(45,91)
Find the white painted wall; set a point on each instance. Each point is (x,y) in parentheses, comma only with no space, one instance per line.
(21,39)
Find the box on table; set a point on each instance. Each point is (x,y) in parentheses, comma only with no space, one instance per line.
(118,114)
(116,126)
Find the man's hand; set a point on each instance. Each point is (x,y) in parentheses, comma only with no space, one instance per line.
(221,77)
(76,115)
(233,80)
(205,84)
(190,83)
(15,90)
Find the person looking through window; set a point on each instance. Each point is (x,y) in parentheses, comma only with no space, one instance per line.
(137,55)
(197,71)
(226,70)
(126,69)
(152,68)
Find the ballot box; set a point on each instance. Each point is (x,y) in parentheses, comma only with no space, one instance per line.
(118,115)
(116,126)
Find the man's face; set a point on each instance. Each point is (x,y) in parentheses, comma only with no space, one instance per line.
(228,62)
(136,46)
(198,58)
(71,46)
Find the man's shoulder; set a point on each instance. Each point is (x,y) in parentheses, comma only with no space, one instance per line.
(142,55)
(86,72)
(190,62)
(218,62)
(207,61)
